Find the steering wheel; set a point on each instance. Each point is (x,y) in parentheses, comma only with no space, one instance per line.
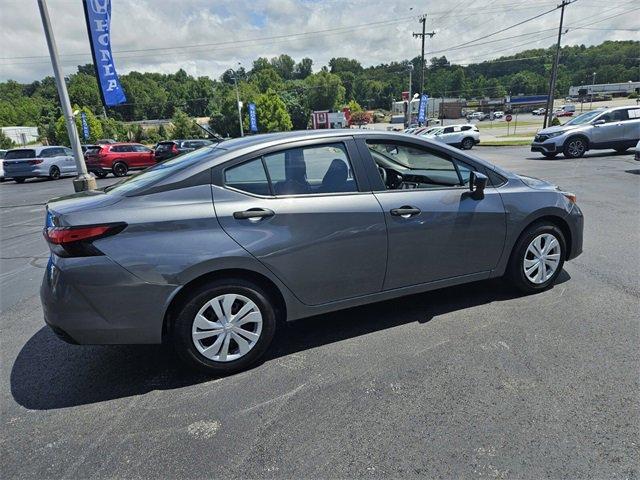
(383,174)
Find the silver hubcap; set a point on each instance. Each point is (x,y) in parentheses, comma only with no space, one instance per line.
(576,147)
(542,258)
(227,327)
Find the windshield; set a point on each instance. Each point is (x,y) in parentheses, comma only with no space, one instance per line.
(584,118)
(164,170)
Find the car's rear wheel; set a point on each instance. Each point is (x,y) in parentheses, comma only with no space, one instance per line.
(621,149)
(467,143)
(224,326)
(19,180)
(537,258)
(575,147)
(120,169)
(550,155)
(54,173)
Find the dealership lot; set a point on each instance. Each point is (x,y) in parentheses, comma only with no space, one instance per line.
(471,381)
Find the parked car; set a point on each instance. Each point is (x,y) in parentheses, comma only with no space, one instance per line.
(637,153)
(539,111)
(50,161)
(2,154)
(498,114)
(118,158)
(171,148)
(463,136)
(565,111)
(204,251)
(476,116)
(105,141)
(617,128)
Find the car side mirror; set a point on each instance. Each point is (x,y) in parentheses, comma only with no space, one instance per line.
(477,183)
(599,122)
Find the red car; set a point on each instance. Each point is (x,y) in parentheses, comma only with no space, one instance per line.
(118,158)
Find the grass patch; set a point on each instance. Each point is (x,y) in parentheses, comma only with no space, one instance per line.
(502,124)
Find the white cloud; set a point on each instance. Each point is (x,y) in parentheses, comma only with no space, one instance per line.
(166,24)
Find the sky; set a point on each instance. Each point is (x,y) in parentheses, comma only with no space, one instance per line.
(208,37)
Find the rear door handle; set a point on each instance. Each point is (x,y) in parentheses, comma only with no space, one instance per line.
(405,211)
(253,213)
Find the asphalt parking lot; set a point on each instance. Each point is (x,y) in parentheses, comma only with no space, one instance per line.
(468,382)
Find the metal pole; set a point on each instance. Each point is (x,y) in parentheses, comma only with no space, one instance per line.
(593,84)
(410,98)
(554,72)
(84,180)
(424,22)
(235,80)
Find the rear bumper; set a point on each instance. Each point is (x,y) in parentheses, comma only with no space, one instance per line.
(93,300)
(26,173)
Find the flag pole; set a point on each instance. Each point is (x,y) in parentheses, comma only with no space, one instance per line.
(84,180)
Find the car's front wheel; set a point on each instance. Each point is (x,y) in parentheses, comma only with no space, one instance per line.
(575,147)
(100,173)
(550,155)
(224,326)
(537,258)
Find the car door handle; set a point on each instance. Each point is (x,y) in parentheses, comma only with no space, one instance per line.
(405,211)
(253,213)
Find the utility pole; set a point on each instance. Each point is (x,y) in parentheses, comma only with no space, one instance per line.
(423,20)
(554,71)
(593,84)
(235,81)
(84,180)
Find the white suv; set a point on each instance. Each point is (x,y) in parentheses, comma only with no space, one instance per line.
(463,136)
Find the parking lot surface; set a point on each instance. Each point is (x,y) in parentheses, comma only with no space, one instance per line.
(474,381)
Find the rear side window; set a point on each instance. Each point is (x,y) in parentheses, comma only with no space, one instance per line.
(18,154)
(296,171)
(633,113)
(249,177)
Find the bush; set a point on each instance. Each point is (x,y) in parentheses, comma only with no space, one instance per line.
(5,142)
(633,95)
(555,122)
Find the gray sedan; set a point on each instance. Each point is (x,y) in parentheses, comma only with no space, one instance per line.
(212,250)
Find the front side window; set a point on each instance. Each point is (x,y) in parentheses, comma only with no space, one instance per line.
(297,171)
(407,166)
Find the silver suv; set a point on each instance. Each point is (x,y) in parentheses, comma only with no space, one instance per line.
(617,128)
(51,162)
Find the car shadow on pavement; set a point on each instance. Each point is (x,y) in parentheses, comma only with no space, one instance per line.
(591,154)
(50,374)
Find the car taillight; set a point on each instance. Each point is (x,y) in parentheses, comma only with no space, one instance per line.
(76,241)
(35,162)
(174,148)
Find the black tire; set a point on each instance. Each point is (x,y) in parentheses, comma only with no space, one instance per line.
(181,330)
(575,147)
(550,155)
(120,169)
(100,173)
(621,149)
(515,273)
(467,143)
(54,173)
(19,180)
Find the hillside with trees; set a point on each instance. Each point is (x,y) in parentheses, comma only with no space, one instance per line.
(285,91)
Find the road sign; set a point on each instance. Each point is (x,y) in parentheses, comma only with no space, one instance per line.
(508,118)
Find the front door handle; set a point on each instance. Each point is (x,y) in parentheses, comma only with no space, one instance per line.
(253,213)
(405,211)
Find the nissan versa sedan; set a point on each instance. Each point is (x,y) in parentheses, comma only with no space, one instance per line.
(212,250)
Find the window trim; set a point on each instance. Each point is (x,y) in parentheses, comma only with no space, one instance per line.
(350,148)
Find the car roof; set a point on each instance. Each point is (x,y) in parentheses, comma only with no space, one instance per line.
(38,149)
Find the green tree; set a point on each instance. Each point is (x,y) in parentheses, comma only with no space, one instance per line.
(95,127)
(272,113)
(162,132)
(354,106)
(324,91)
(299,113)
(304,68)
(284,65)
(343,64)
(5,142)
(184,126)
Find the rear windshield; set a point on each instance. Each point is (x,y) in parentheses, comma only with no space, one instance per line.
(164,170)
(93,150)
(164,145)
(22,153)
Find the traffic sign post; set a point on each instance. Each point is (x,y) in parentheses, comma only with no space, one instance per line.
(507,119)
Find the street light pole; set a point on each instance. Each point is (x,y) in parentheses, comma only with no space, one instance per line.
(410,67)
(84,180)
(554,72)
